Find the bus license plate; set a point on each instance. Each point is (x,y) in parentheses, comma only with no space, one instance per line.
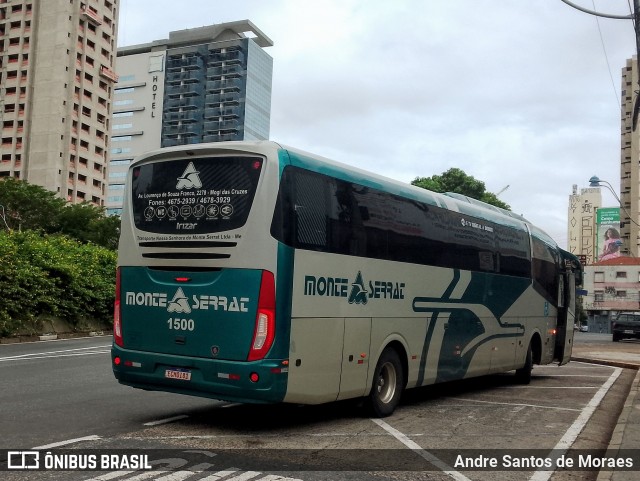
(183,375)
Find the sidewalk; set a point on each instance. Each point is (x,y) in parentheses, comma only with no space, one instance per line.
(626,434)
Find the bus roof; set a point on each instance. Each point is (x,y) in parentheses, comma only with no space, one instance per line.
(451,201)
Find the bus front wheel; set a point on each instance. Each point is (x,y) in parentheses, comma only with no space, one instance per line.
(388,383)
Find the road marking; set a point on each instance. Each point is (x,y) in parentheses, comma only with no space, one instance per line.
(416,448)
(578,425)
(548,387)
(166,420)
(69,441)
(63,353)
(512,404)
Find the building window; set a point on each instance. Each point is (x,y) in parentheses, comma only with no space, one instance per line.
(598,296)
(621,293)
(621,275)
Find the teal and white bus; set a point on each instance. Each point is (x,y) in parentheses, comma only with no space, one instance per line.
(254,272)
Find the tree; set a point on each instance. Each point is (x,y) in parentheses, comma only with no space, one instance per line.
(28,206)
(456,180)
(31,207)
(87,223)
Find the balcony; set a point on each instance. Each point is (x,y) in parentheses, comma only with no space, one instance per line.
(192,76)
(91,16)
(108,73)
(185,103)
(187,90)
(189,116)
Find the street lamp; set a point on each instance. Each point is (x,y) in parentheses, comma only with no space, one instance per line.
(595,181)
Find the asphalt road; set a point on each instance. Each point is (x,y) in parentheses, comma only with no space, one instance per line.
(62,394)
(62,390)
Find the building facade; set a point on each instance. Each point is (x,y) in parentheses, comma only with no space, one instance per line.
(629,163)
(582,222)
(207,84)
(612,286)
(56,81)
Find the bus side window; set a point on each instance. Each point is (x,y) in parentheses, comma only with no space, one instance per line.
(310,208)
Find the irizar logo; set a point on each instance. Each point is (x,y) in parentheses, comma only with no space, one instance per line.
(356,292)
(189,178)
(179,303)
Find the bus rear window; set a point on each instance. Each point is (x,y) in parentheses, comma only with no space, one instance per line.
(194,196)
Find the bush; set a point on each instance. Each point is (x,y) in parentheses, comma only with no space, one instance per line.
(53,276)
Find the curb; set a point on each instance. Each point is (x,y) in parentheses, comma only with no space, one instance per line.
(624,365)
(615,444)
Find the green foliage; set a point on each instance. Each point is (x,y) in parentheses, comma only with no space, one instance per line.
(31,207)
(87,223)
(456,180)
(53,276)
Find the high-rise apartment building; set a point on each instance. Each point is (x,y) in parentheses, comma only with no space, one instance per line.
(56,80)
(629,163)
(205,84)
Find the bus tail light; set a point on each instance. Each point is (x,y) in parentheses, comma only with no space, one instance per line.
(117,319)
(264,331)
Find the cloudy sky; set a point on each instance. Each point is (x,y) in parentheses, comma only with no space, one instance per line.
(516,93)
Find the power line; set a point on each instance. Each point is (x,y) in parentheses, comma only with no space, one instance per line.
(606,57)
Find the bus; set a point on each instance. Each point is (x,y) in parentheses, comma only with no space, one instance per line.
(253,272)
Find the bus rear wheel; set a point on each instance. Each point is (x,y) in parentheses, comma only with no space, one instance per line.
(523,375)
(388,383)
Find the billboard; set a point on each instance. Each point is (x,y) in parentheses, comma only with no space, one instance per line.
(608,241)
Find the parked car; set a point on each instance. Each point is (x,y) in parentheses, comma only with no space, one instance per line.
(584,328)
(626,326)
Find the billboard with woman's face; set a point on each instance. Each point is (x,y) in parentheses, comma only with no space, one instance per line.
(608,241)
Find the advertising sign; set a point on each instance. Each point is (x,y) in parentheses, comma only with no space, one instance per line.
(608,241)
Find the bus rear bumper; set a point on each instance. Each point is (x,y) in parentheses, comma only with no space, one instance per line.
(211,378)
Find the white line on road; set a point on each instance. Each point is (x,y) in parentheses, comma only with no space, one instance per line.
(416,448)
(512,404)
(166,420)
(578,425)
(69,441)
(55,356)
(39,355)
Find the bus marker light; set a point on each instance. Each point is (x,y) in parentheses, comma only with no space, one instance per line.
(132,364)
(360,361)
(254,377)
(117,360)
(183,279)
(285,362)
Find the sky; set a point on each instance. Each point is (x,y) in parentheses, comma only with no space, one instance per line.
(522,95)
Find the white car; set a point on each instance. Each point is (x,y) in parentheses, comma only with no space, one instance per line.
(584,328)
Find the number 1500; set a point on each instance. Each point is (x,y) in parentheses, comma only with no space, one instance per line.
(177,324)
